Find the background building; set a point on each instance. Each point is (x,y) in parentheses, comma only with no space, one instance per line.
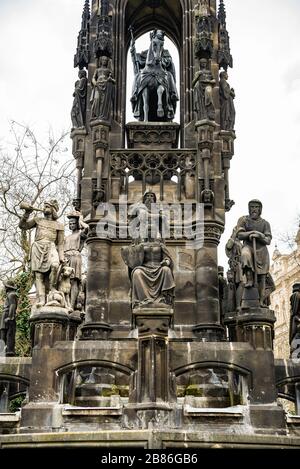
(285,271)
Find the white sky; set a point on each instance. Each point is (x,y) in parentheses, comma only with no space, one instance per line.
(37,43)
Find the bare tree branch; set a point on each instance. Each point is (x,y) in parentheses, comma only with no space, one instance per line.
(31,171)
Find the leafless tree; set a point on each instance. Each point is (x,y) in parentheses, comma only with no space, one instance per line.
(289,239)
(31,172)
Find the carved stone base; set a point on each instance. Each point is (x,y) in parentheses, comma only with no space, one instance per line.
(74,322)
(205,133)
(149,416)
(209,332)
(95,331)
(230,323)
(153,386)
(153,320)
(250,298)
(49,325)
(157,135)
(227,138)
(255,326)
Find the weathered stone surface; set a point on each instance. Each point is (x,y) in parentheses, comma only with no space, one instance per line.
(166,368)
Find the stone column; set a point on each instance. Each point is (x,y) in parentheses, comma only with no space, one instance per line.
(227,141)
(208,325)
(256,326)
(78,136)
(96,324)
(153,390)
(100,140)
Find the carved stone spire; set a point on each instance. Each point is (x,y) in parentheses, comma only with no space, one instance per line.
(103,45)
(224,56)
(86,12)
(222,13)
(204,28)
(104,7)
(82,56)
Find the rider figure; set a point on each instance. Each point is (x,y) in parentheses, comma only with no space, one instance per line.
(154,72)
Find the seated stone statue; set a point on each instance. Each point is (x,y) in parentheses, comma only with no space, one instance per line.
(150,267)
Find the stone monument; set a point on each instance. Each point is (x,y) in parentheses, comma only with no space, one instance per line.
(169,354)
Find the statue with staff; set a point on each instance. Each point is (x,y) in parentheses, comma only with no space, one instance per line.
(255,232)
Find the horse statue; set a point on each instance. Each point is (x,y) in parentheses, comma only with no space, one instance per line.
(154,96)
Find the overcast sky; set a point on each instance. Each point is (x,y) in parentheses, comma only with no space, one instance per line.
(37,44)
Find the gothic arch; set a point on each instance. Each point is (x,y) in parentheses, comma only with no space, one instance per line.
(175,17)
(94,363)
(242,370)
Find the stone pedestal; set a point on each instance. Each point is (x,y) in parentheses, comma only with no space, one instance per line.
(205,134)
(227,137)
(157,135)
(74,322)
(49,325)
(96,320)
(208,325)
(253,325)
(230,323)
(153,390)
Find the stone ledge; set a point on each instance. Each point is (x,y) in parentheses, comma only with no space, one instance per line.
(225,412)
(294,419)
(9,418)
(75,411)
(145,439)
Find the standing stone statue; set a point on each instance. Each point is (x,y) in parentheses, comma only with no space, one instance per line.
(8,319)
(203,92)
(227,96)
(103,91)
(255,232)
(232,303)
(270,288)
(154,96)
(235,276)
(47,251)
(73,246)
(78,113)
(202,9)
(150,265)
(295,318)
